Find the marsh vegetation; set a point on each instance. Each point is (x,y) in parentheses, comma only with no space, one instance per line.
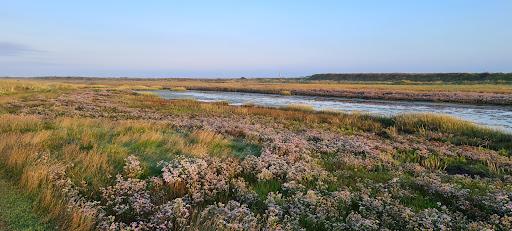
(477,91)
(98,155)
(499,117)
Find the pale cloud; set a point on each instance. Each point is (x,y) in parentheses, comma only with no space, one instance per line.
(15,49)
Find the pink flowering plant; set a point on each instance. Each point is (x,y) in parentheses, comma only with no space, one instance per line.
(161,166)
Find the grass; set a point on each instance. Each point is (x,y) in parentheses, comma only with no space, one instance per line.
(178,89)
(17,211)
(464,132)
(95,150)
(263,188)
(418,199)
(287,93)
(452,165)
(11,87)
(242,148)
(366,89)
(446,78)
(92,148)
(351,176)
(299,107)
(476,187)
(299,116)
(434,126)
(277,86)
(442,123)
(146,93)
(472,168)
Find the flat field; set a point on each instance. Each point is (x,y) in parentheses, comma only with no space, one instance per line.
(93,154)
(475,92)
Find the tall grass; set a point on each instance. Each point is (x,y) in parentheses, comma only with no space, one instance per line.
(299,107)
(11,86)
(34,150)
(178,89)
(279,86)
(285,93)
(441,127)
(91,152)
(276,86)
(294,115)
(461,131)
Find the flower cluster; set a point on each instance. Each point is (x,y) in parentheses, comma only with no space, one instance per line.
(306,177)
(230,216)
(200,179)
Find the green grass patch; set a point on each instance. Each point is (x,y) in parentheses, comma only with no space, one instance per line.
(419,201)
(263,188)
(452,165)
(16,211)
(311,224)
(476,187)
(471,168)
(419,198)
(242,149)
(461,131)
(349,177)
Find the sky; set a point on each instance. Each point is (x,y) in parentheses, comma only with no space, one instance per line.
(259,38)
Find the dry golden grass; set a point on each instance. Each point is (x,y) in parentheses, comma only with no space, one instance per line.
(203,141)
(299,107)
(274,86)
(148,93)
(178,89)
(354,86)
(435,122)
(9,123)
(423,124)
(93,150)
(13,86)
(285,93)
(278,87)
(305,115)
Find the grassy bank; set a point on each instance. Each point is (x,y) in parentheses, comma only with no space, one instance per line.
(446,78)
(459,92)
(99,156)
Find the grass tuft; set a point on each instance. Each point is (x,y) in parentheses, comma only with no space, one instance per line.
(299,107)
(463,132)
(178,89)
(287,93)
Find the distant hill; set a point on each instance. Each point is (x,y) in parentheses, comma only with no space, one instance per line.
(413,77)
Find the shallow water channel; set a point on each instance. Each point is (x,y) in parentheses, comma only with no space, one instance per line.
(499,117)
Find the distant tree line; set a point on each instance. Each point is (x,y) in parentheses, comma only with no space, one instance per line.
(416,77)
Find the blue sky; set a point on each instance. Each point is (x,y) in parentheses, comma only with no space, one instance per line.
(261,38)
